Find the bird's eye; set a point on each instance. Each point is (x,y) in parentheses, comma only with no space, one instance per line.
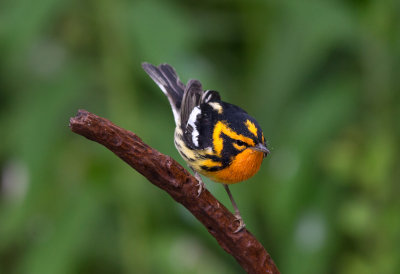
(240,143)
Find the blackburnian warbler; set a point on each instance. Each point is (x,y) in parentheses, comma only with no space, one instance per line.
(216,139)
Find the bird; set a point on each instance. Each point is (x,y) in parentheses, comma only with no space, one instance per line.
(216,139)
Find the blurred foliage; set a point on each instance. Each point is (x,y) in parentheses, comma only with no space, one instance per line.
(321,77)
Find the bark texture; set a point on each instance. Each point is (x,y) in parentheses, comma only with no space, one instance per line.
(167,174)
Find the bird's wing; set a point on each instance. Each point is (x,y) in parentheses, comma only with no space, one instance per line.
(197,126)
(191,99)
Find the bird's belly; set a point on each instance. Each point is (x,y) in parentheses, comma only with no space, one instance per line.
(244,166)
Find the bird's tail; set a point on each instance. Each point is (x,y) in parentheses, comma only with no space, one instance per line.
(166,78)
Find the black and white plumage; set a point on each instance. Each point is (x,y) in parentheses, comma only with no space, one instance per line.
(185,101)
(215,138)
(168,81)
(196,112)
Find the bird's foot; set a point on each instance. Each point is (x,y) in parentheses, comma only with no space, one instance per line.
(241,225)
(200,184)
(201,188)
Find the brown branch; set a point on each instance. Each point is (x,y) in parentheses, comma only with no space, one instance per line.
(167,174)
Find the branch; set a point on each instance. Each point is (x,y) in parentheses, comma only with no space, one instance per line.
(167,174)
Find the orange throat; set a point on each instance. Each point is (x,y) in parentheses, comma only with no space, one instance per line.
(244,166)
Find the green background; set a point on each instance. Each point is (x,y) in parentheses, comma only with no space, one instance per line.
(321,78)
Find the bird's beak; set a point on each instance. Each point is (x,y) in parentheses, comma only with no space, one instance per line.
(261,148)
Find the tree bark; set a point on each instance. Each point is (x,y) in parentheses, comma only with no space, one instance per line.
(167,174)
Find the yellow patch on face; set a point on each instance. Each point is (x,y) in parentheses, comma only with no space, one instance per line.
(218,142)
(251,127)
(210,163)
(244,165)
(263,139)
(216,106)
(238,147)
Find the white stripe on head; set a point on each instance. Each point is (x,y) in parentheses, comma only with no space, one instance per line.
(217,107)
(207,96)
(192,120)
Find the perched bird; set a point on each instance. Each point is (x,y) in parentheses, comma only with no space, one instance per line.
(216,139)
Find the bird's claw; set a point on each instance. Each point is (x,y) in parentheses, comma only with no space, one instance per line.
(241,225)
(200,184)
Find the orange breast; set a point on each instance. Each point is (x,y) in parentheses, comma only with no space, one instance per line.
(245,165)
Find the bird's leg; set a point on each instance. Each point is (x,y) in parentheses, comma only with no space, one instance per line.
(200,183)
(238,217)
